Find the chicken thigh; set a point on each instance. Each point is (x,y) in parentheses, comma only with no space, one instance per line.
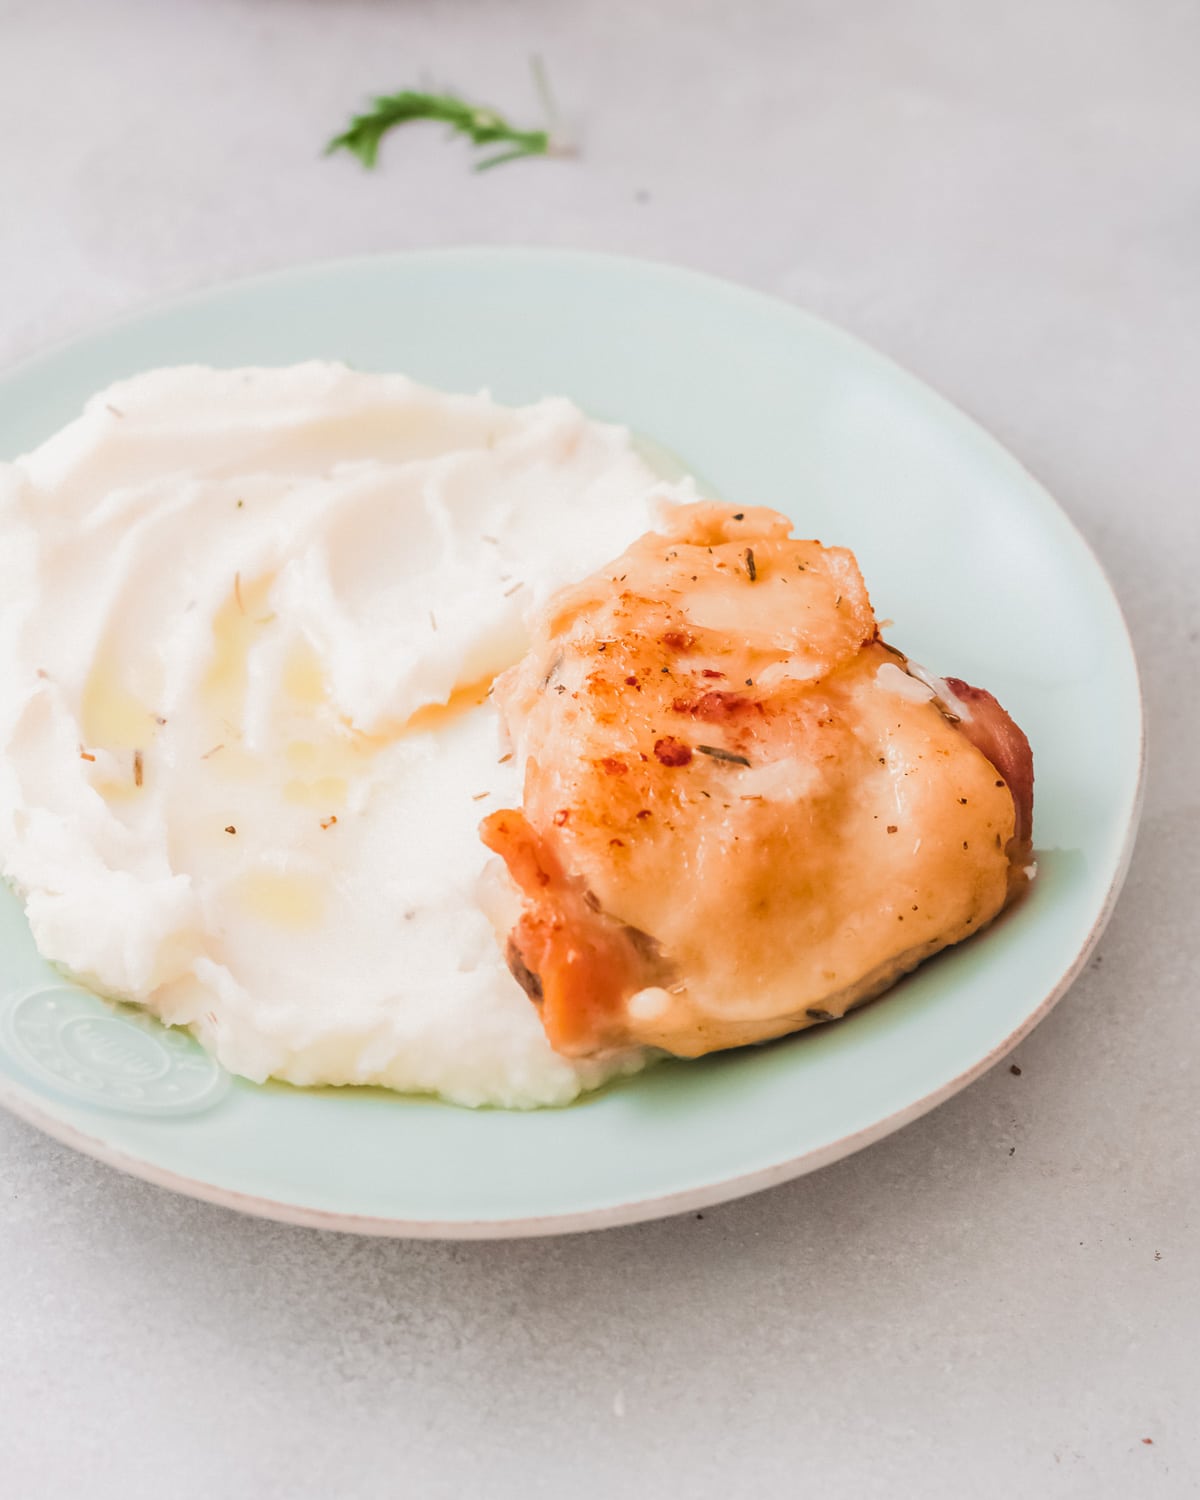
(743,813)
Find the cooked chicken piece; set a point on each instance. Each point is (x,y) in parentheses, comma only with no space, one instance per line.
(744,813)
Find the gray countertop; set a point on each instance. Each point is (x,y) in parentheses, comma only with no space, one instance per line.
(1003,1299)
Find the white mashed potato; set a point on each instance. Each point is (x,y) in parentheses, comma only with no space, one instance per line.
(248,625)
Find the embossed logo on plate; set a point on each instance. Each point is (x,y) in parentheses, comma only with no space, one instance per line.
(117,1059)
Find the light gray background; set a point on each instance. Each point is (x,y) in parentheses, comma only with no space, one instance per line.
(1003,1299)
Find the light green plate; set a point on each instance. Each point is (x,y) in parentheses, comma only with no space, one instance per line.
(983,575)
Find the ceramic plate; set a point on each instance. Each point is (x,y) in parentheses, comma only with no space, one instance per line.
(985,579)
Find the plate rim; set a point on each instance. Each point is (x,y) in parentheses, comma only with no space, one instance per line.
(31,1108)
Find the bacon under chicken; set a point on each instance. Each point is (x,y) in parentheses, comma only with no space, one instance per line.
(744,813)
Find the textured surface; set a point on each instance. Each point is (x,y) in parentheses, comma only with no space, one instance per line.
(1003,1298)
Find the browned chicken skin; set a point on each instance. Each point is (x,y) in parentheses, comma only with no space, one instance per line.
(743,812)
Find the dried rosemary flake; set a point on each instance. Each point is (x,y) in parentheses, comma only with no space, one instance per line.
(727,755)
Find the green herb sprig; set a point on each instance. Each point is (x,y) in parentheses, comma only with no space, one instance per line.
(481,125)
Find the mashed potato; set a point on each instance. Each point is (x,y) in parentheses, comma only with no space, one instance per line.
(249,623)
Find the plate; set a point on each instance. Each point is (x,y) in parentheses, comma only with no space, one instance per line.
(984,576)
